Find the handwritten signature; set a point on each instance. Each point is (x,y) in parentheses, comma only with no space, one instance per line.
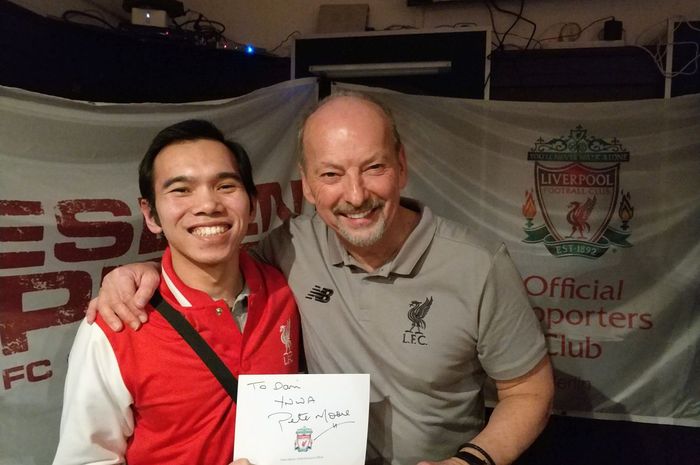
(284,418)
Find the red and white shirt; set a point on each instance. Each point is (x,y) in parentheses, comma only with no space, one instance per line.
(145,397)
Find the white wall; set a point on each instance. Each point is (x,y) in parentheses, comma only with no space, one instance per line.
(265,23)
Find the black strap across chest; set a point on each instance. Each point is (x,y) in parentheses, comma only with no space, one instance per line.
(198,344)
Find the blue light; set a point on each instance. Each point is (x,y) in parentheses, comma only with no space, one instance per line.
(249,49)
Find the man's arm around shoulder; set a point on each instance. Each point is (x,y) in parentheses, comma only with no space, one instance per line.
(124,294)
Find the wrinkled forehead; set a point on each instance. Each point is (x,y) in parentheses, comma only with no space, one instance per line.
(344,107)
(360,115)
(346,117)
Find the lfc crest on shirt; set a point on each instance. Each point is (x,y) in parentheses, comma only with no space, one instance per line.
(286,338)
(577,189)
(417,311)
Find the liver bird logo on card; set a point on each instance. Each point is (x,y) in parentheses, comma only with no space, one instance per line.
(303,441)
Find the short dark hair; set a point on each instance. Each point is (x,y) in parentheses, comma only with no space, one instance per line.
(191,130)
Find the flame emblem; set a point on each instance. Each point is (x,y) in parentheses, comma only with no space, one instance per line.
(529,209)
(625,211)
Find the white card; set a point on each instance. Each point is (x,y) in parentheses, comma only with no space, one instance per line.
(305,419)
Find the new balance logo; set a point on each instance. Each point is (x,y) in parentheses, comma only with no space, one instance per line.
(320,294)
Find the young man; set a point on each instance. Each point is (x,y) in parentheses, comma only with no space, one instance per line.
(387,288)
(146,397)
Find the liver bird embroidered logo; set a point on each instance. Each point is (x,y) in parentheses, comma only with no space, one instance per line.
(286,338)
(416,315)
(577,199)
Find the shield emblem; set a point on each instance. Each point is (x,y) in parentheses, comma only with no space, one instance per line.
(303,441)
(576,201)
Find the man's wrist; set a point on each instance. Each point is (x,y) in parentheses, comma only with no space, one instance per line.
(471,458)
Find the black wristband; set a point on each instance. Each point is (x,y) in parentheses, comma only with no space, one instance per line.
(469,445)
(471,459)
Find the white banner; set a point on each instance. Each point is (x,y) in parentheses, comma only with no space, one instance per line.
(69,212)
(599,205)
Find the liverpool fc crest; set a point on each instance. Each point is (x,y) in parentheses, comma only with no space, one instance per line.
(416,315)
(578,201)
(303,441)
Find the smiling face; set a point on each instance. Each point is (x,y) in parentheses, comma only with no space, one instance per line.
(352,170)
(202,207)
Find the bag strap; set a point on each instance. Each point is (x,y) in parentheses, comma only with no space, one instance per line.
(198,344)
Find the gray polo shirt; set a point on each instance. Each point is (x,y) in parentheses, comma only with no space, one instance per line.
(429,327)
